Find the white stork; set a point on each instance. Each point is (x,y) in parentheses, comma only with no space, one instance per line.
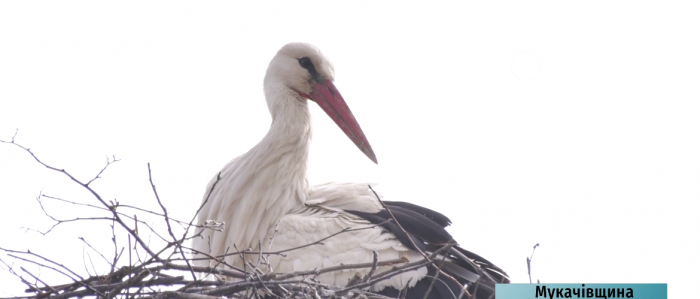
(265,193)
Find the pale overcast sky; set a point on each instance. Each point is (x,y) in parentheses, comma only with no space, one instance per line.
(575,125)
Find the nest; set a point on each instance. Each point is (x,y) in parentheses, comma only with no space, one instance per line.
(169,271)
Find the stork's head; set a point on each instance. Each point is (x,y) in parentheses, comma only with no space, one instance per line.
(308,75)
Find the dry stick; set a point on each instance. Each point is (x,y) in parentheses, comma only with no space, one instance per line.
(179,295)
(386,275)
(414,244)
(93,248)
(245,264)
(218,178)
(66,286)
(141,286)
(222,262)
(254,270)
(29,284)
(404,291)
(470,262)
(103,169)
(393,272)
(155,213)
(234,287)
(318,242)
(107,287)
(59,221)
(167,222)
(529,260)
(136,279)
(476,289)
(52,268)
(280,252)
(257,263)
(153,274)
(92,191)
(269,292)
(41,257)
(150,260)
(130,263)
(85,264)
(341,267)
(375,263)
(115,207)
(243,285)
(189,225)
(170,281)
(111,208)
(66,221)
(39,280)
(432,283)
(116,256)
(209,257)
(198,269)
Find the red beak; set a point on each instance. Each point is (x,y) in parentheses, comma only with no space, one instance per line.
(327,96)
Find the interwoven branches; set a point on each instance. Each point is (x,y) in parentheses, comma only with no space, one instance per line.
(168,271)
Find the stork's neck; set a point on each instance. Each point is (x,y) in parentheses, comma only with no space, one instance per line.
(269,181)
(285,148)
(281,156)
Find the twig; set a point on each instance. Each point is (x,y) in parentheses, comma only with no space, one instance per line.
(218,178)
(529,261)
(52,268)
(375,263)
(115,207)
(318,242)
(9,268)
(39,280)
(95,195)
(93,248)
(393,272)
(167,222)
(103,169)
(136,279)
(342,267)
(432,283)
(59,221)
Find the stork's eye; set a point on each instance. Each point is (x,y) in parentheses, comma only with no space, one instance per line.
(305,62)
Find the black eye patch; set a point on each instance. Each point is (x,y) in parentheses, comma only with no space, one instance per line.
(306,63)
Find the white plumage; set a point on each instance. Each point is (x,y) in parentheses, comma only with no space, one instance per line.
(265,192)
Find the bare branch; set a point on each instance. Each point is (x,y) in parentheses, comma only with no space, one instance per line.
(175,241)
(341,267)
(375,263)
(12,271)
(117,218)
(39,280)
(95,250)
(97,176)
(50,267)
(529,261)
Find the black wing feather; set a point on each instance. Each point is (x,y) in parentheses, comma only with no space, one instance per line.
(419,225)
(426,228)
(439,218)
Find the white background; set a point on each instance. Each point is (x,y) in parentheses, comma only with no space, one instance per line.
(575,125)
